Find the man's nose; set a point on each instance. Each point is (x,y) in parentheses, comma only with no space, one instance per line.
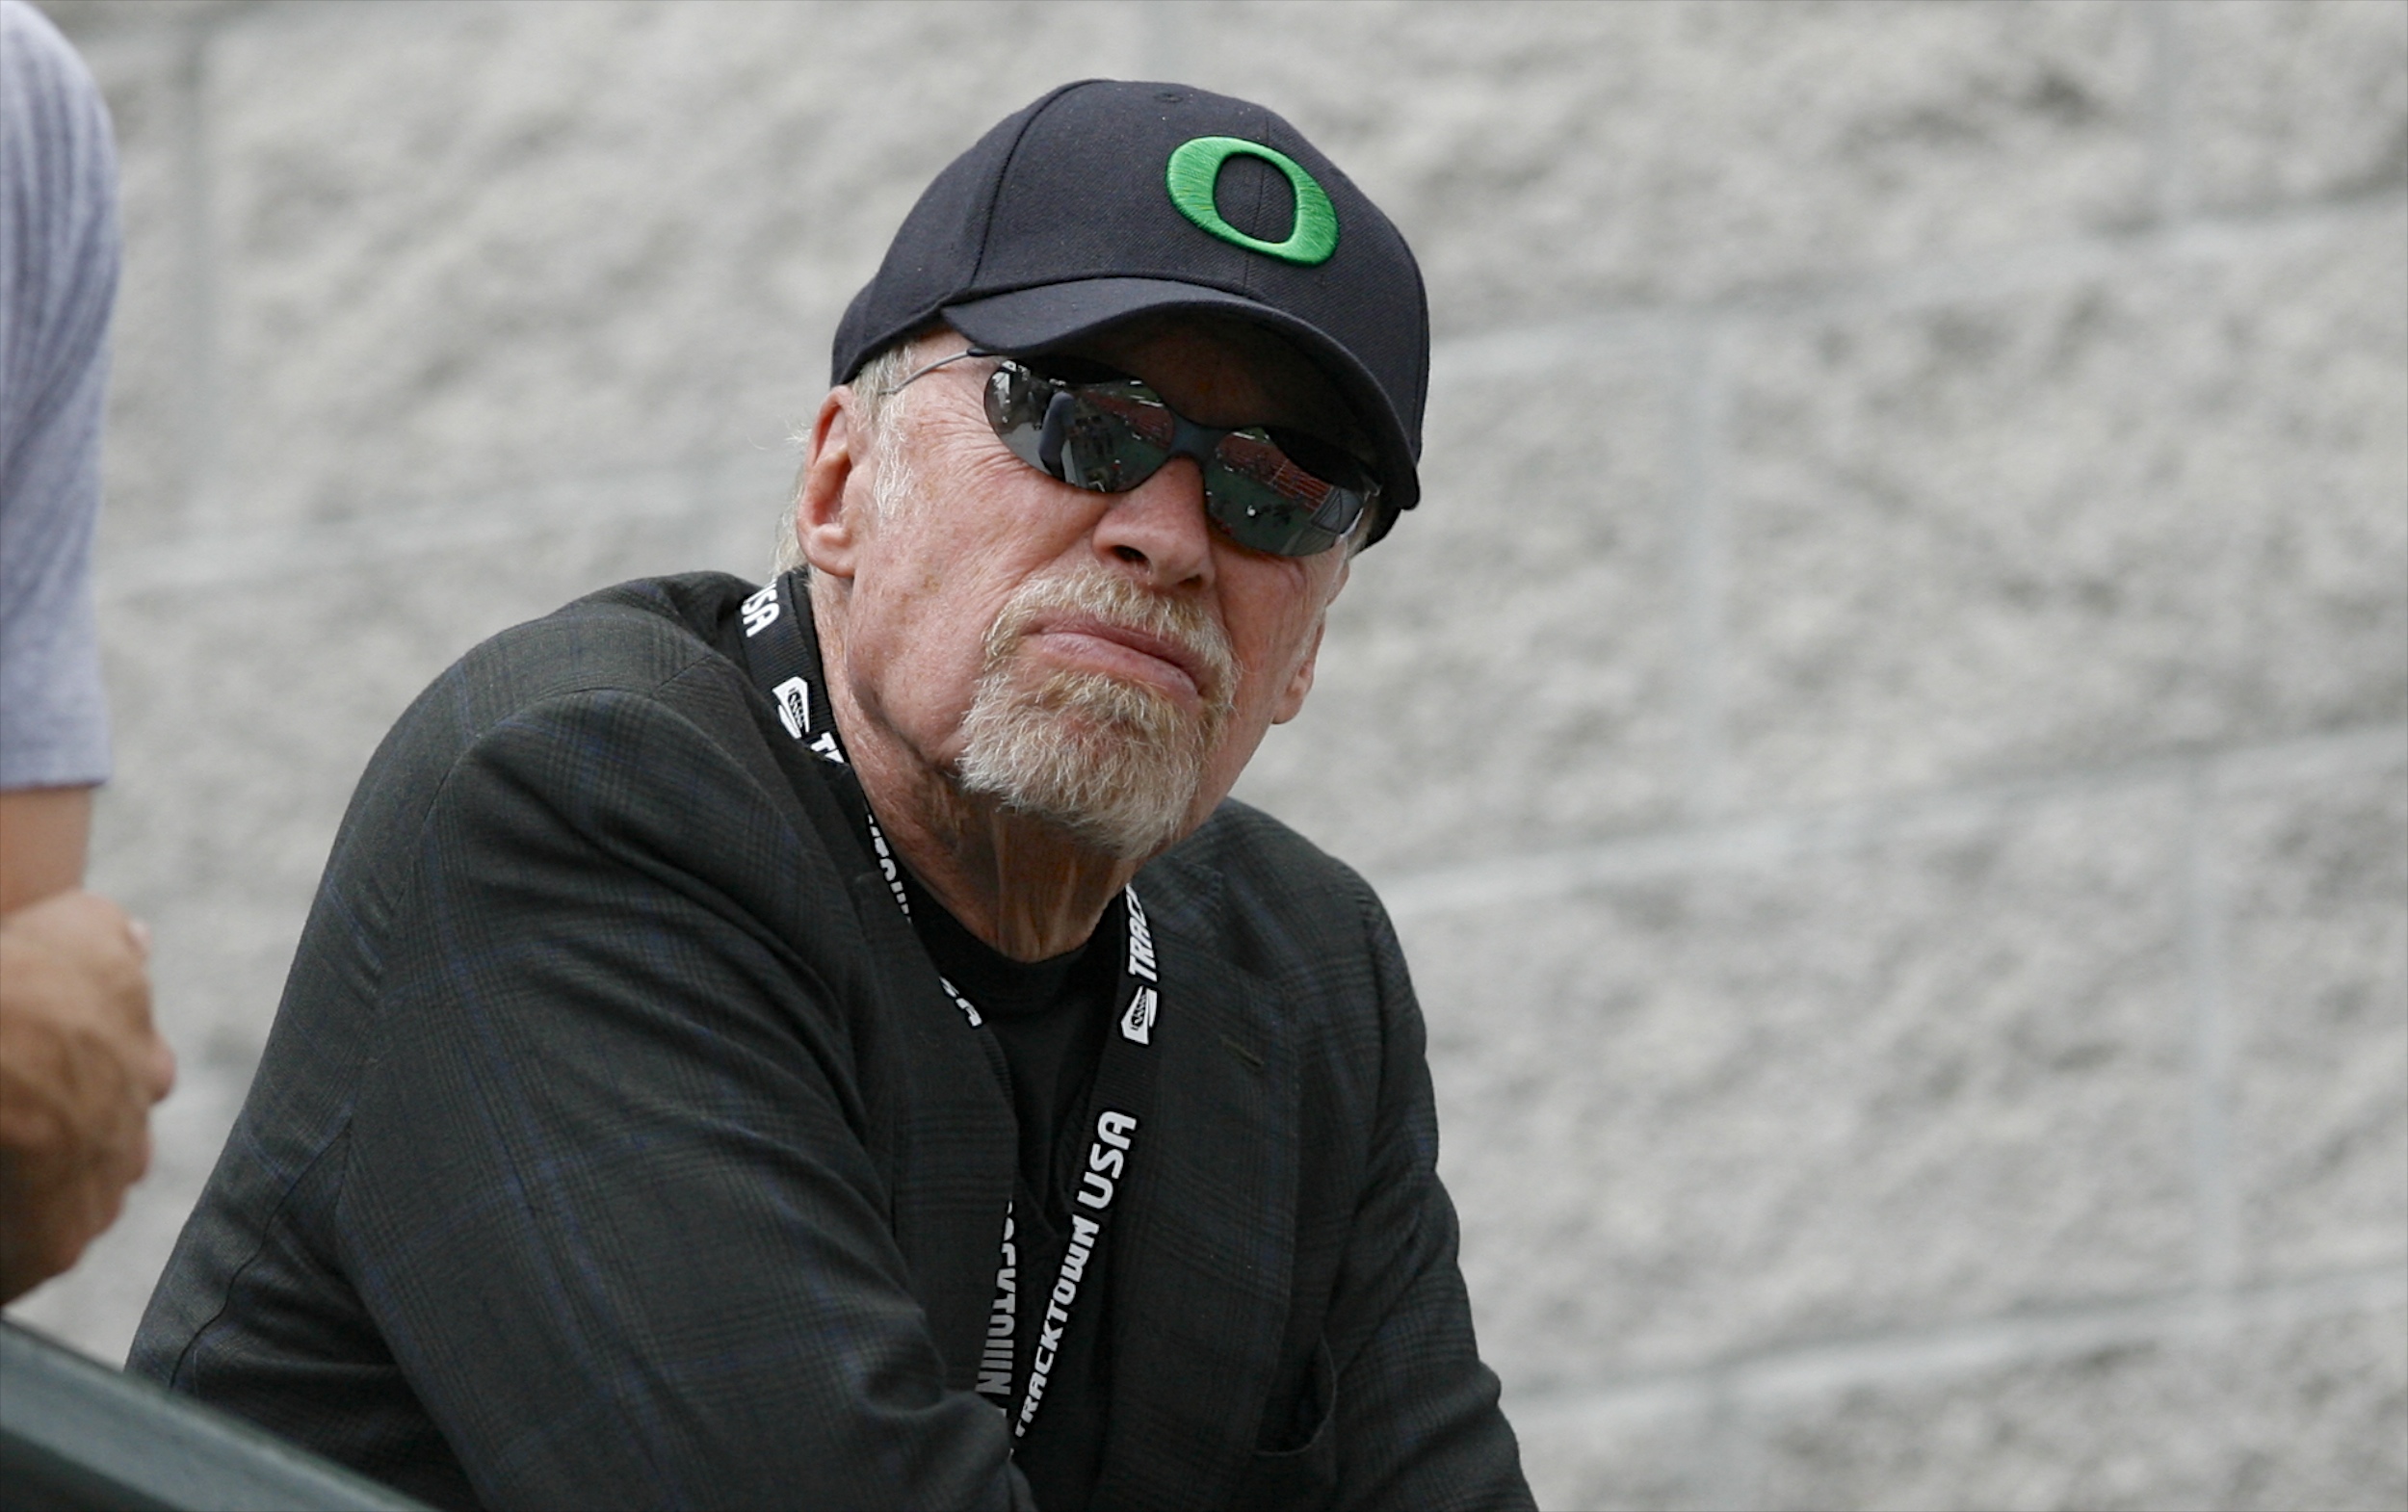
(1160,526)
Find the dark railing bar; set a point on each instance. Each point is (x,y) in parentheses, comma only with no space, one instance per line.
(76,1436)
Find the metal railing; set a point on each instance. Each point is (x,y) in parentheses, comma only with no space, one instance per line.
(76,1436)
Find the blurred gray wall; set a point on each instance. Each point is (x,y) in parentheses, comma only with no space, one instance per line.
(1888,741)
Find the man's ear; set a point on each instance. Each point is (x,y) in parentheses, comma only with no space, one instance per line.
(1301,682)
(827,522)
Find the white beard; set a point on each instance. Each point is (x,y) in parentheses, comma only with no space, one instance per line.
(1115,763)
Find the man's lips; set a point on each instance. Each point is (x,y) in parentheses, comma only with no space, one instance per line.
(1106,647)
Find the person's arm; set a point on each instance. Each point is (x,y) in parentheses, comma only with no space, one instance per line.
(43,835)
(607,1193)
(1416,1411)
(80,1064)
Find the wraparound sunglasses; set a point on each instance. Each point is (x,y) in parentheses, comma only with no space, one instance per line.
(1273,489)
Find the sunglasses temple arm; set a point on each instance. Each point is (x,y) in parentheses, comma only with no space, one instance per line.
(914,376)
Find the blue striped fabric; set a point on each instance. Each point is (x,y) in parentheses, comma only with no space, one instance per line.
(58,283)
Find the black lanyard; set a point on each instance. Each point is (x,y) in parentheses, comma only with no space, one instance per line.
(782,648)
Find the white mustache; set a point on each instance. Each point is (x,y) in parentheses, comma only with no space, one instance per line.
(1116,601)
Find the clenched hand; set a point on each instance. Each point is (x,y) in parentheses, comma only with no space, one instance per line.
(80,1066)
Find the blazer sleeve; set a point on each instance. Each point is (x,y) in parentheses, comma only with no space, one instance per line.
(608,1190)
(1416,1412)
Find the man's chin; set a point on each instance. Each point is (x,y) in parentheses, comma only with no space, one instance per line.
(1115,781)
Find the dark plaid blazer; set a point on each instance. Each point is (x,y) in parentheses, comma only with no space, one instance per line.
(616,1146)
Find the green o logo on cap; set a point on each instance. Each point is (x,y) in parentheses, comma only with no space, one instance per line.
(1195,167)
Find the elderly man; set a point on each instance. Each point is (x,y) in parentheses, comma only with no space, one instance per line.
(835,1045)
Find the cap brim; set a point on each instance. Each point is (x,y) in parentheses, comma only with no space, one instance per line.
(1053,315)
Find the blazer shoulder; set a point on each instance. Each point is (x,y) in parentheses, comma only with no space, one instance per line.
(1259,858)
(1271,902)
(649,640)
(633,638)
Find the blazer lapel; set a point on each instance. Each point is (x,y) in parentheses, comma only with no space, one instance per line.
(1203,1253)
(950,1146)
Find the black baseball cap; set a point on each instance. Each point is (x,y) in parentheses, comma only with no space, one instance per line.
(1107,199)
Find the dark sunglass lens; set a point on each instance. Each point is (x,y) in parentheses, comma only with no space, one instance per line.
(1122,437)
(1265,500)
(1017,403)
(1019,406)
(1340,467)
(1106,438)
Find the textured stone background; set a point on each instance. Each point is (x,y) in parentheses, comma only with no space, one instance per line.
(1888,741)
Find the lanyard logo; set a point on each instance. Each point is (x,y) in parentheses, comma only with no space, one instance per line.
(1195,168)
(793,703)
(1137,1024)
